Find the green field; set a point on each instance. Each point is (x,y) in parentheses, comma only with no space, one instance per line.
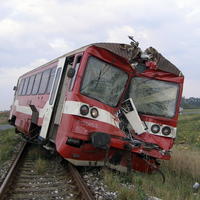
(191,110)
(189,130)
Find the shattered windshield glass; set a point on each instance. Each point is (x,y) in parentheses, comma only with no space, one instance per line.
(154,97)
(103,82)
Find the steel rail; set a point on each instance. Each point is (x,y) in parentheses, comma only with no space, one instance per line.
(87,194)
(11,171)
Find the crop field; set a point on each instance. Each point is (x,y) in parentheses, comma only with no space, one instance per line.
(181,172)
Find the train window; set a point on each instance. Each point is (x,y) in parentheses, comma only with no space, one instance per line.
(44,81)
(25,85)
(30,85)
(21,87)
(154,97)
(76,67)
(55,86)
(36,83)
(52,74)
(103,82)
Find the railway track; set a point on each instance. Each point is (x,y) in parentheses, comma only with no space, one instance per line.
(24,182)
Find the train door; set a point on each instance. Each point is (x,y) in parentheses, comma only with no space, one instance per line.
(57,97)
(59,101)
(51,102)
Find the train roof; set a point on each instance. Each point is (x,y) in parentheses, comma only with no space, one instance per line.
(121,50)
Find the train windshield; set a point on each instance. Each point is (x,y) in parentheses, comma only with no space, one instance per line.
(103,82)
(154,97)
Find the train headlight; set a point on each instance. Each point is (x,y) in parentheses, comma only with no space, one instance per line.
(155,128)
(166,130)
(94,112)
(84,110)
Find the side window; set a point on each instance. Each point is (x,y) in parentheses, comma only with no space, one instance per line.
(76,67)
(36,83)
(44,81)
(30,85)
(25,86)
(55,86)
(52,74)
(21,87)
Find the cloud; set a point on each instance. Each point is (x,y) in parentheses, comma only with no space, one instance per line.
(193,16)
(190,88)
(60,45)
(8,79)
(121,33)
(10,27)
(36,63)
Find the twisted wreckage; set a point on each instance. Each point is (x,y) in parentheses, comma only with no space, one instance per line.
(103,104)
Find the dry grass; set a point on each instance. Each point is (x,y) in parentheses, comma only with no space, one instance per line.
(38,155)
(181,172)
(34,153)
(41,165)
(185,162)
(123,186)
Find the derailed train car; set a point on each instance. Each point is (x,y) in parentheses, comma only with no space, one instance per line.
(103,104)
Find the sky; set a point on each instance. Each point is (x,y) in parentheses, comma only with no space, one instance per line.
(33,32)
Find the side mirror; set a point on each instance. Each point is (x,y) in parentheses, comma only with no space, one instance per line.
(71,72)
(15,88)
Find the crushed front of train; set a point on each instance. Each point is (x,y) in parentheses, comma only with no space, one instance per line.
(119,114)
(155,98)
(149,116)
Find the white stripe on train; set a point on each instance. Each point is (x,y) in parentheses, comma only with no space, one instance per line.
(72,108)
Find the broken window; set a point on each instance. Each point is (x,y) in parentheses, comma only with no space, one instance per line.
(103,81)
(154,97)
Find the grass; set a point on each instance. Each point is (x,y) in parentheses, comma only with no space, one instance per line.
(41,165)
(123,185)
(39,156)
(189,130)
(181,172)
(191,110)
(8,141)
(4,117)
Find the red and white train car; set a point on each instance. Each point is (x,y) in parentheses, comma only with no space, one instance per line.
(103,104)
